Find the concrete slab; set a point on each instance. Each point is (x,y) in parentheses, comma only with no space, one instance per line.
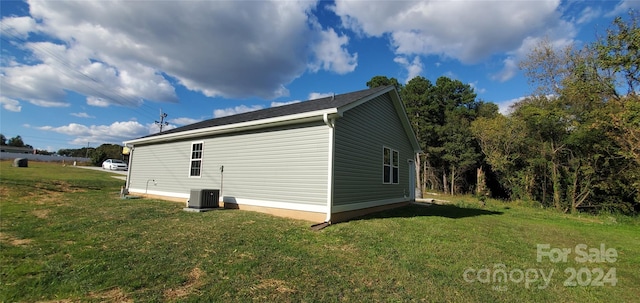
(200,210)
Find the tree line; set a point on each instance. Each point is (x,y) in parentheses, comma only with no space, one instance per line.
(573,144)
(14,141)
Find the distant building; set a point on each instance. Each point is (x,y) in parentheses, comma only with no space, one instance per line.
(16,150)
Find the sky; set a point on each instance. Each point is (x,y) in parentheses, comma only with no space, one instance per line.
(84,73)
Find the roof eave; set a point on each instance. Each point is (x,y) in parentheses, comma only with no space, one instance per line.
(236,127)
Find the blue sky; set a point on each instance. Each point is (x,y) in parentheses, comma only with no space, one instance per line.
(78,73)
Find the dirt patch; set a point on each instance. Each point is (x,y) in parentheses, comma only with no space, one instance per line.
(41,213)
(48,198)
(271,285)
(113,295)
(194,280)
(50,192)
(14,241)
(4,192)
(63,187)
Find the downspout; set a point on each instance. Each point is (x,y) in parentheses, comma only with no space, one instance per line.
(128,181)
(331,124)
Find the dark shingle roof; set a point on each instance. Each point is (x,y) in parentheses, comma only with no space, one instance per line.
(280,111)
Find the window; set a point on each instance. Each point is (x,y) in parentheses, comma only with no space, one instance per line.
(196,159)
(390,166)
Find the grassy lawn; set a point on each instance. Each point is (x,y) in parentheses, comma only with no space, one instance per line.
(67,236)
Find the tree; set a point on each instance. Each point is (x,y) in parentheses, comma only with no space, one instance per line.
(104,152)
(378,81)
(579,140)
(98,156)
(441,116)
(18,142)
(453,108)
(3,139)
(502,140)
(619,51)
(415,96)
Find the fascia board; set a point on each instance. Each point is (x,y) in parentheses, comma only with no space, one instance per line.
(236,127)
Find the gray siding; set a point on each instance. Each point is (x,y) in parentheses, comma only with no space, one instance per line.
(285,164)
(359,140)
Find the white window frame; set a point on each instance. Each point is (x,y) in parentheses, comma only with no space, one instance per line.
(393,166)
(192,159)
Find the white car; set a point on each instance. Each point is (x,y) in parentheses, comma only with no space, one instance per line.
(114,164)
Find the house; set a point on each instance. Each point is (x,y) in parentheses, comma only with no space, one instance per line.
(323,160)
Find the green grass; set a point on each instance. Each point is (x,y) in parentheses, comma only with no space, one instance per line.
(66,236)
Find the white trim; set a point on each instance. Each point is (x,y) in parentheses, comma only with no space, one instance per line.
(159,193)
(236,127)
(241,201)
(412,178)
(127,182)
(274,204)
(363,205)
(282,205)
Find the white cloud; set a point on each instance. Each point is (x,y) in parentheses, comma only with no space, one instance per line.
(276,104)
(623,7)
(505,107)
(477,89)
(468,31)
(47,103)
(314,95)
(588,14)
(414,68)
(508,71)
(184,121)
(10,104)
(17,26)
(514,57)
(82,115)
(465,30)
(331,54)
(122,52)
(115,133)
(235,110)
(99,102)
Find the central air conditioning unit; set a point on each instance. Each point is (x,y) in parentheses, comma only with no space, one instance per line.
(204,198)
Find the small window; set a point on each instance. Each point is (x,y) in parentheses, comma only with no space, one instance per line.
(196,159)
(390,166)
